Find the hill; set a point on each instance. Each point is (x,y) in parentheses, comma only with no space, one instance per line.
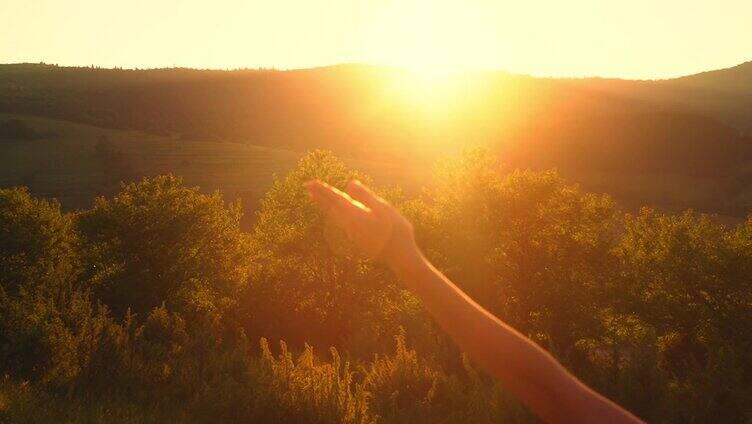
(736,79)
(76,163)
(724,94)
(673,144)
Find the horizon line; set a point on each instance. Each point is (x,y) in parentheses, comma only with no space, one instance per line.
(366,64)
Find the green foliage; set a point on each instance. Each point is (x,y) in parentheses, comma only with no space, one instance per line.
(37,242)
(303,291)
(31,337)
(38,264)
(403,387)
(301,390)
(551,260)
(158,241)
(678,267)
(682,275)
(144,307)
(529,246)
(24,403)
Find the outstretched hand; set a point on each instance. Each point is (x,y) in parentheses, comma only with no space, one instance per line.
(374,225)
(523,367)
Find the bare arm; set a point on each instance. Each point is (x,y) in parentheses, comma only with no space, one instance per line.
(520,365)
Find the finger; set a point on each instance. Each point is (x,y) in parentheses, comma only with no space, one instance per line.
(322,194)
(333,201)
(363,194)
(323,202)
(330,195)
(343,218)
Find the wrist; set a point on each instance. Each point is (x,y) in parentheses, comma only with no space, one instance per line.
(404,261)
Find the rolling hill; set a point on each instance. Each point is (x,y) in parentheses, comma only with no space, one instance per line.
(77,162)
(724,94)
(674,144)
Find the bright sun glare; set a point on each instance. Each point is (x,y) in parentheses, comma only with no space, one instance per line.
(435,43)
(431,39)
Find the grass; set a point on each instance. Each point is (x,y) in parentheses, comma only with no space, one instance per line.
(64,164)
(22,403)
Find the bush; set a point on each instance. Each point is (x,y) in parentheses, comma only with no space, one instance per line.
(651,309)
(311,286)
(38,245)
(158,241)
(38,267)
(302,390)
(532,248)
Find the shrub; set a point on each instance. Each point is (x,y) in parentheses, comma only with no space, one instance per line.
(158,241)
(37,243)
(303,390)
(651,309)
(311,286)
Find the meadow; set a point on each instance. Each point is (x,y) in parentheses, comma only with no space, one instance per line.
(75,163)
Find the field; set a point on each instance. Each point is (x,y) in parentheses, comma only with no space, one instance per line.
(68,163)
(76,162)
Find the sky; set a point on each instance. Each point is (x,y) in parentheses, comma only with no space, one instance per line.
(575,38)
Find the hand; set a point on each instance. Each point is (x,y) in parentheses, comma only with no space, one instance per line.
(374,225)
(523,367)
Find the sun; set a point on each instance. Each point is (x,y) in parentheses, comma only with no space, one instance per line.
(434,49)
(432,39)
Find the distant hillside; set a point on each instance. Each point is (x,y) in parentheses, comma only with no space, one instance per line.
(76,163)
(735,80)
(724,94)
(674,143)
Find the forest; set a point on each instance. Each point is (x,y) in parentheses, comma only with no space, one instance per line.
(154,305)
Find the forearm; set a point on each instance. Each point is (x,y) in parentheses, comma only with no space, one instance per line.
(520,365)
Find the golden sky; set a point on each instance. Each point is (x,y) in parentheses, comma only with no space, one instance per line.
(630,39)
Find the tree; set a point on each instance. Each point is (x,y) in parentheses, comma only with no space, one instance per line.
(310,283)
(685,276)
(37,242)
(43,306)
(532,248)
(159,241)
